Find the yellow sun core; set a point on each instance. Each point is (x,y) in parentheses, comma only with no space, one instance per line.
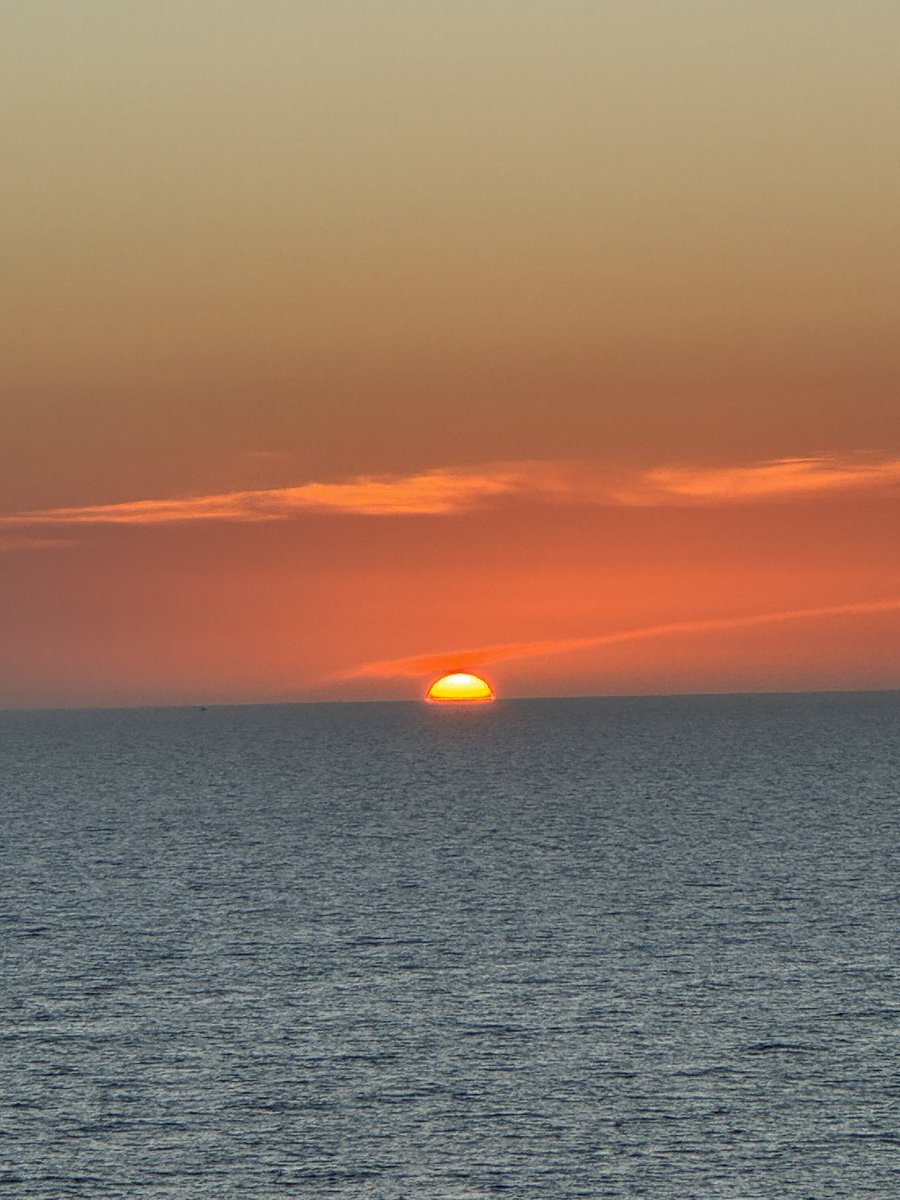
(459,686)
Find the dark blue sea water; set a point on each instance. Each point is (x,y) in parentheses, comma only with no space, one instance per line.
(546,949)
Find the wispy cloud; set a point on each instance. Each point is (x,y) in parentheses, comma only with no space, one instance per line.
(14,545)
(484,656)
(436,492)
(448,490)
(779,479)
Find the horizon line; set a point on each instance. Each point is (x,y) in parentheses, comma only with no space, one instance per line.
(206,705)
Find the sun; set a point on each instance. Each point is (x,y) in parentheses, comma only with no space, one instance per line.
(459,686)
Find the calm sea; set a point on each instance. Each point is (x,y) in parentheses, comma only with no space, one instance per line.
(546,949)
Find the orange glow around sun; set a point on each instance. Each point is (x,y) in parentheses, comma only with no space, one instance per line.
(459,686)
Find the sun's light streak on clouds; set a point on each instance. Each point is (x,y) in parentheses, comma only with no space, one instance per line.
(482,656)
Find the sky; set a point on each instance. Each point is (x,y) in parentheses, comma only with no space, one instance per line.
(349,342)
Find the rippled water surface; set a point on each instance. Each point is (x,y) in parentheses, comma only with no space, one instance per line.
(548,949)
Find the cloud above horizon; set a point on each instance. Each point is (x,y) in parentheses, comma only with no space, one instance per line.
(484,656)
(446,491)
(15,544)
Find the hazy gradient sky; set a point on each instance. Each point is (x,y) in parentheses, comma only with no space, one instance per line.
(340,334)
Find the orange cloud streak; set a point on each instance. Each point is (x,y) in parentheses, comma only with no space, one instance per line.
(424,664)
(446,490)
(783,478)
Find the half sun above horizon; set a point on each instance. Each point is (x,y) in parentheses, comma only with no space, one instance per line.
(459,686)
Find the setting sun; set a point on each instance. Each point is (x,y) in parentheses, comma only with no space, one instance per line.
(459,686)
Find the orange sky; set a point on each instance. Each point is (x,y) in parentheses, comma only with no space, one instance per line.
(338,335)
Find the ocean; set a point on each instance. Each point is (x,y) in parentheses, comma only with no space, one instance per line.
(632,947)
